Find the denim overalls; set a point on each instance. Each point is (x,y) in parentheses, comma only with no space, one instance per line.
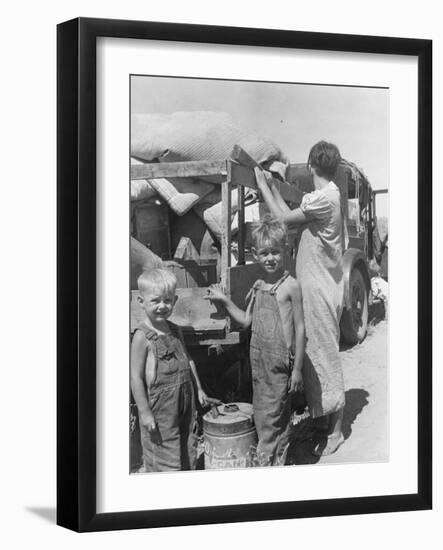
(271,370)
(171,398)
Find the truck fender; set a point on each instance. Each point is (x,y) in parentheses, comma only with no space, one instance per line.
(353,257)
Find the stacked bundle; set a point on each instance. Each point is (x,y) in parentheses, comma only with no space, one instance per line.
(186,136)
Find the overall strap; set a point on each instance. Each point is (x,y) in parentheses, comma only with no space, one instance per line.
(273,292)
(148,332)
(152,338)
(253,291)
(274,287)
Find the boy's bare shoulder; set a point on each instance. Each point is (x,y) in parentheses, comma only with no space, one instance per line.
(290,290)
(291,284)
(139,340)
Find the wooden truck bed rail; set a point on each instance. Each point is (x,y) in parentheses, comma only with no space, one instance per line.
(237,171)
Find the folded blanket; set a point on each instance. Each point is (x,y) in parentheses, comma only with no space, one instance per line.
(196,135)
(181,194)
(210,211)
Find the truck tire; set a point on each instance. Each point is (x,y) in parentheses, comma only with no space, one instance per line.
(354,321)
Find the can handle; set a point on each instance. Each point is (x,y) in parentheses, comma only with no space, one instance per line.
(231,408)
(234,408)
(215,413)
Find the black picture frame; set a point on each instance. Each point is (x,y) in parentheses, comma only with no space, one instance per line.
(76,273)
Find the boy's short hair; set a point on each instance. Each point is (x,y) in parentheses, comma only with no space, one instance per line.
(157,279)
(269,231)
(325,158)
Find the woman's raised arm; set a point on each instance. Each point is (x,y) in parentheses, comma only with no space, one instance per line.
(279,209)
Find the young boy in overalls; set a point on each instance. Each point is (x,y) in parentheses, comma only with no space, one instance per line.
(277,346)
(162,380)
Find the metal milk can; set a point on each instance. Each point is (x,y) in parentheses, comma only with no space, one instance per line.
(230,439)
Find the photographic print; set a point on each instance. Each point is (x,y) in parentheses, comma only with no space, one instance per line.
(258,274)
(232,339)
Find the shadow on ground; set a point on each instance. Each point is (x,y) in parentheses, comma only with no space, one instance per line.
(303,439)
(356,401)
(377,312)
(48,514)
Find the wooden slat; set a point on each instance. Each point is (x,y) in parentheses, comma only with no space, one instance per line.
(225,260)
(200,275)
(290,193)
(230,339)
(241,226)
(239,155)
(191,169)
(245,177)
(243,174)
(186,250)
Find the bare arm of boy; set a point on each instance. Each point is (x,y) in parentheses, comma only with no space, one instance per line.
(203,399)
(139,355)
(299,327)
(243,318)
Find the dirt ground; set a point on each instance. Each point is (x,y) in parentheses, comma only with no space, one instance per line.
(365,423)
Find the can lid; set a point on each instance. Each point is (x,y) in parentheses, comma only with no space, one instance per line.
(229,419)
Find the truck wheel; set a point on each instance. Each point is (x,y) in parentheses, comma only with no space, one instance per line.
(354,321)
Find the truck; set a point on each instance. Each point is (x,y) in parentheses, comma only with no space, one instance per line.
(219,347)
(201,323)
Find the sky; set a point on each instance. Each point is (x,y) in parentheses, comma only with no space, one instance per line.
(294,116)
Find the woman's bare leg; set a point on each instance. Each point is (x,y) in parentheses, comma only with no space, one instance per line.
(335,423)
(335,436)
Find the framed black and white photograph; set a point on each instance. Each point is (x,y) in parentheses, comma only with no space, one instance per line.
(215,131)
(244,268)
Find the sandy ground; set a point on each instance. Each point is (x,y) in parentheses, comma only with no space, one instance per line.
(365,423)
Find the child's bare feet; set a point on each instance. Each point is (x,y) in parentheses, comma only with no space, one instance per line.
(329,445)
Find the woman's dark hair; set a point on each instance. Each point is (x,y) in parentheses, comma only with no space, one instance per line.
(325,158)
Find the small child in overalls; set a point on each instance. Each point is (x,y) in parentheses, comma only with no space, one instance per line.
(162,380)
(277,345)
